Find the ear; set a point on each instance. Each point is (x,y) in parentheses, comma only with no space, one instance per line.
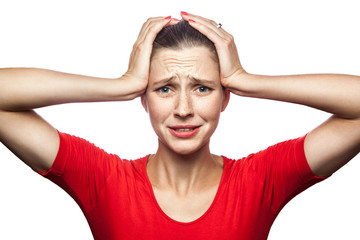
(144,102)
(226,99)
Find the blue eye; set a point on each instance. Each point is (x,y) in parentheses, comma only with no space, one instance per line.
(163,90)
(203,89)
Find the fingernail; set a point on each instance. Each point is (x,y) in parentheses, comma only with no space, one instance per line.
(168,17)
(184,13)
(190,20)
(176,19)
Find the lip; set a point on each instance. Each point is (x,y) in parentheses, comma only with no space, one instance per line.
(186,134)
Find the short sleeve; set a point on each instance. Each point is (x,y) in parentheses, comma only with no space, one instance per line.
(284,171)
(81,169)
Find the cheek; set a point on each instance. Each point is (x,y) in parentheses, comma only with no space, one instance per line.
(158,108)
(161,109)
(209,108)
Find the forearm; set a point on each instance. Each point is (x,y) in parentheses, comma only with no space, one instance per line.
(29,88)
(334,93)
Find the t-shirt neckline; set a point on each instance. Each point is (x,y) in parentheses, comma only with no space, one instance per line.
(225,160)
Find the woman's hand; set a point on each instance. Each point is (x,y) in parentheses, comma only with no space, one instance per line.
(137,74)
(231,71)
(329,146)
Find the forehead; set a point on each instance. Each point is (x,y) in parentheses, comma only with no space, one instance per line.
(195,62)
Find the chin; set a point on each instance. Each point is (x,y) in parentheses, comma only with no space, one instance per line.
(185,152)
(187,148)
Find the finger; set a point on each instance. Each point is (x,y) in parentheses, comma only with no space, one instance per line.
(145,28)
(211,24)
(209,32)
(186,16)
(209,28)
(207,24)
(154,28)
(143,46)
(174,21)
(223,41)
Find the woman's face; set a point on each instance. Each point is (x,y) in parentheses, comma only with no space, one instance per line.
(184,98)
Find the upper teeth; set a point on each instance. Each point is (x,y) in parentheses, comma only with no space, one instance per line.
(184,129)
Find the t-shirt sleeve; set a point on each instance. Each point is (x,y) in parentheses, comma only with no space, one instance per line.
(81,169)
(284,170)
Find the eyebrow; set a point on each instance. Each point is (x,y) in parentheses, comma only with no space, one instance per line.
(164,81)
(202,81)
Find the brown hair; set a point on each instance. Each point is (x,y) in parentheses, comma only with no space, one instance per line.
(180,36)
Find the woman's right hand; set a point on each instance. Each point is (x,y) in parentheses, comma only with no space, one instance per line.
(137,74)
(34,140)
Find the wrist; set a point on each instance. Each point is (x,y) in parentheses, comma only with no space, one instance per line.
(239,82)
(127,88)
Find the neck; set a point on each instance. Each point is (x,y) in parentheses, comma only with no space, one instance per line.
(184,173)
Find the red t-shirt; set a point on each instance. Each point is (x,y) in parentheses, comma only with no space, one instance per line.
(117,198)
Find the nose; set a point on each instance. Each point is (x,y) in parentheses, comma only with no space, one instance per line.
(183,108)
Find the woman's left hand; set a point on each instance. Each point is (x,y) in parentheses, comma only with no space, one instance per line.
(231,71)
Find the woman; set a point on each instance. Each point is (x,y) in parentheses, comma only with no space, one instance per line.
(183,191)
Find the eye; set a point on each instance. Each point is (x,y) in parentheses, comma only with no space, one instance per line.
(163,90)
(203,89)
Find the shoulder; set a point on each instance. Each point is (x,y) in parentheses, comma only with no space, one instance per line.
(76,153)
(281,154)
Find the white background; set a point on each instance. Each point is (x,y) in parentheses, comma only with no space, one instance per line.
(95,38)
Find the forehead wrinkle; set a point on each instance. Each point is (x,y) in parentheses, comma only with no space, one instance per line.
(187,63)
(194,77)
(190,64)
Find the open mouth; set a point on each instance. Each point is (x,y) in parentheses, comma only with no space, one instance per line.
(184,131)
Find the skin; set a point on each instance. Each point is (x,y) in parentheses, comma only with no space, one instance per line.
(327,147)
(186,175)
(184,89)
(192,96)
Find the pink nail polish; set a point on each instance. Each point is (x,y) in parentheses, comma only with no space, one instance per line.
(168,17)
(184,13)
(176,19)
(190,20)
